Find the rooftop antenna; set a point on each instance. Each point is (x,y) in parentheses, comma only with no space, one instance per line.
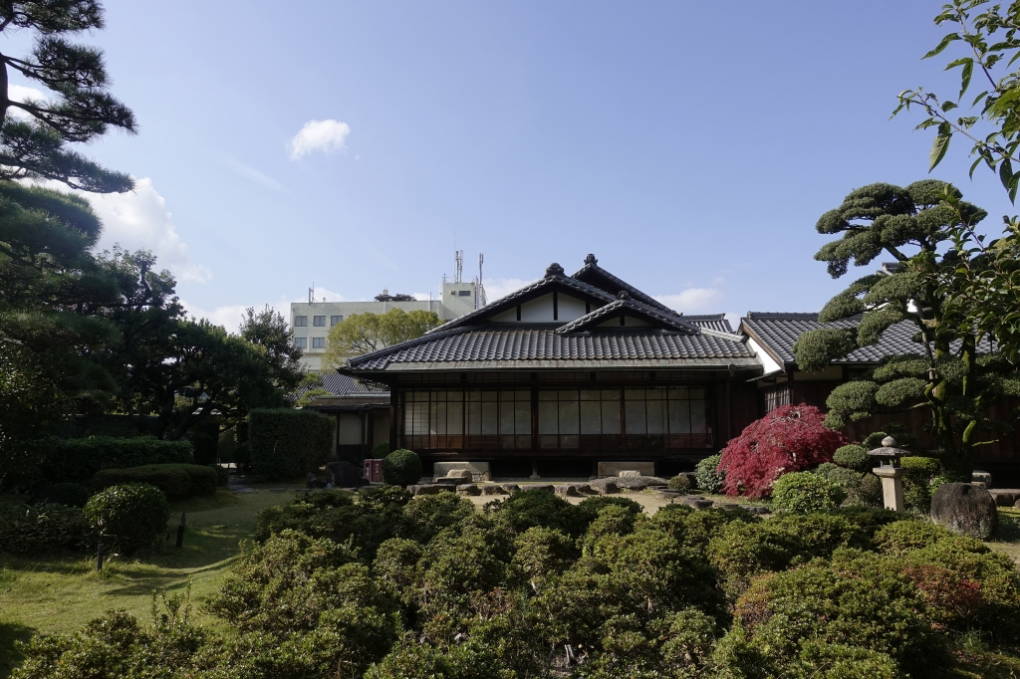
(311,293)
(480,299)
(458,256)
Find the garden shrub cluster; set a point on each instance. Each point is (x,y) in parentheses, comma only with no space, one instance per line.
(41,528)
(130,517)
(287,443)
(381,585)
(78,460)
(681,482)
(175,480)
(805,492)
(791,438)
(70,494)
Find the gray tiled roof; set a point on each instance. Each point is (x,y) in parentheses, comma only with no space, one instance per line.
(778,331)
(345,385)
(670,320)
(717,322)
(493,345)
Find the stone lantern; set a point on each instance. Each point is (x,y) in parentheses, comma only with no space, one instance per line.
(889,470)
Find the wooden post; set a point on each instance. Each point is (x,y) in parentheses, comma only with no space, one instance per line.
(180,531)
(99,556)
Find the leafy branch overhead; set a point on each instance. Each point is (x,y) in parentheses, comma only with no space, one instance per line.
(76,106)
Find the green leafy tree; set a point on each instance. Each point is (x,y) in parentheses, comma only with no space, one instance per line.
(948,376)
(986,277)
(363,333)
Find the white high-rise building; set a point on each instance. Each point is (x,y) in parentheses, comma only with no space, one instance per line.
(312,320)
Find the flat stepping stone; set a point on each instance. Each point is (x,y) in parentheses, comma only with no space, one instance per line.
(511,488)
(758,511)
(547,487)
(468,489)
(429,489)
(567,490)
(1005,497)
(696,502)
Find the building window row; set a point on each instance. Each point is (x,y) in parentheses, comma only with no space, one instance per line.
(301,321)
(319,321)
(318,342)
(301,342)
(589,420)
(333,320)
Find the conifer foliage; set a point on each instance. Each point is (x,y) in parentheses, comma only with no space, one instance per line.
(792,438)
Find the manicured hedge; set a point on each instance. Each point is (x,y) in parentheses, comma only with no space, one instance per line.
(41,528)
(402,468)
(132,516)
(77,460)
(286,443)
(175,480)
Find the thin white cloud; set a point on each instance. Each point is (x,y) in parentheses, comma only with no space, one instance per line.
(328,136)
(228,317)
(498,288)
(692,299)
(139,220)
(21,93)
(251,174)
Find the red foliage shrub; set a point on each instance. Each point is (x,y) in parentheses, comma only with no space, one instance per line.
(951,598)
(789,439)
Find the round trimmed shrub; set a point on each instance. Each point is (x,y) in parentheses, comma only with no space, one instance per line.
(804,492)
(710,479)
(133,515)
(69,494)
(853,456)
(847,478)
(401,468)
(681,482)
(380,450)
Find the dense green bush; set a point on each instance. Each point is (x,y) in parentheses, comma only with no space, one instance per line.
(222,477)
(380,450)
(175,480)
(287,443)
(806,492)
(70,494)
(681,483)
(848,478)
(402,468)
(530,508)
(710,479)
(77,460)
(132,516)
(869,493)
(37,529)
(853,456)
(917,481)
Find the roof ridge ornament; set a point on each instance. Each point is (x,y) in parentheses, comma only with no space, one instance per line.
(554,269)
(623,294)
(590,260)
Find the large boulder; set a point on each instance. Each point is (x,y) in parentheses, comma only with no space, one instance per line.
(965,509)
(346,475)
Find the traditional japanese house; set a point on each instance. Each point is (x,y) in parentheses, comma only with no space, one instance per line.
(361,411)
(564,373)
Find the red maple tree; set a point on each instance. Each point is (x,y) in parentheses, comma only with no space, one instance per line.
(789,439)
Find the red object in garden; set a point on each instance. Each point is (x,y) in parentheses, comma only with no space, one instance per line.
(789,439)
(372,471)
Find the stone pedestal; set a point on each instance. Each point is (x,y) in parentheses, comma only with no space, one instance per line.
(892,487)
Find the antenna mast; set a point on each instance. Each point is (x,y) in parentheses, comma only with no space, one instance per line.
(311,294)
(480,299)
(458,256)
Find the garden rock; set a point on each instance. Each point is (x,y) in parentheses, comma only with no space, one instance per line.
(629,473)
(757,511)
(314,481)
(1005,497)
(429,489)
(345,475)
(468,489)
(982,477)
(459,474)
(493,490)
(696,502)
(547,487)
(567,490)
(639,482)
(604,486)
(449,480)
(511,488)
(965,509)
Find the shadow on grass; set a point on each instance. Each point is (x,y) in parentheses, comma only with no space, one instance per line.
(10,655)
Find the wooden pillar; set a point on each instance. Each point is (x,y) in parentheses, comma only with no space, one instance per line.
(393,417)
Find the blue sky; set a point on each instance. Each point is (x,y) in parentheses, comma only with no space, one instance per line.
(690,146)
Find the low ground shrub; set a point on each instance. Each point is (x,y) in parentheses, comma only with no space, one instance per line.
(428,514)
(77,460)
(869,493)
(853,456)
(70,494)
(42,528)
(681,483)
(710,478)
(531,508)
(788,439)
(288,443)
(402,468)
(131,516)
(804,492)
(175,480)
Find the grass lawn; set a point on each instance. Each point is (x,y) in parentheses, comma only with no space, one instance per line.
(61,594)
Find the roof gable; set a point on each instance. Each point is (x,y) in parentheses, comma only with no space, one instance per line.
(595,276)
(625,308)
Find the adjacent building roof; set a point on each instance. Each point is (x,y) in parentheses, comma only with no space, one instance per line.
(717,322)
(777,332)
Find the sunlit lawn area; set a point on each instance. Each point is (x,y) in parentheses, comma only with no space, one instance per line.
(60,594)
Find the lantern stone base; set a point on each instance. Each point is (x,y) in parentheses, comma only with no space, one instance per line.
(892,487)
